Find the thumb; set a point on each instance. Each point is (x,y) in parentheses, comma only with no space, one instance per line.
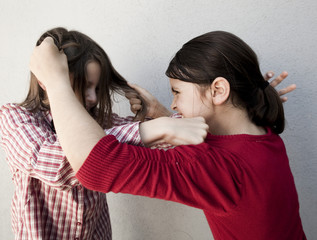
(134,86)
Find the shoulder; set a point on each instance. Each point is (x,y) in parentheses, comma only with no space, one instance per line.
(8,106)
(14,113)
(13,109)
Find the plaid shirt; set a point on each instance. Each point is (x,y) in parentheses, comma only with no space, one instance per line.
(49,202)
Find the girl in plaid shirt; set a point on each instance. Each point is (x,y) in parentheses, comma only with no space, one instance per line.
(49,202)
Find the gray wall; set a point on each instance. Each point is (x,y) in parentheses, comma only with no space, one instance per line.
(141,36)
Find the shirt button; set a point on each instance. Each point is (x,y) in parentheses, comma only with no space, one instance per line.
(79,223)
(76,238)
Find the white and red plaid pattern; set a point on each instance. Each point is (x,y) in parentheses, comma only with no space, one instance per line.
(49,202)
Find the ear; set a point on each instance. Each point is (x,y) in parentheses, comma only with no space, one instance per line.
(220,90)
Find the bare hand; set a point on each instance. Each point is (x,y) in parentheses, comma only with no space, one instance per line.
(154,108)
(173,131)
(276,81)
(48,64)
(185,131)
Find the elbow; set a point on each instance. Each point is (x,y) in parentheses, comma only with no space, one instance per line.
(93,185)
(76,167)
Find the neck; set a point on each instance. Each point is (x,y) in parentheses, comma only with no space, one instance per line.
(229,120)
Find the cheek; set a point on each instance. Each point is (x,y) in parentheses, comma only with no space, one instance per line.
(192,107)
(183,106)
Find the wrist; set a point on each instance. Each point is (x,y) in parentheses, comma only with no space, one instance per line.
(154,131)
(58,83)
(60,92)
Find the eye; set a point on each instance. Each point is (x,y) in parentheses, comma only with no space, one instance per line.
(175,92)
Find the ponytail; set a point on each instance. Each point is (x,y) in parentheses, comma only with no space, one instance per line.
(268,109)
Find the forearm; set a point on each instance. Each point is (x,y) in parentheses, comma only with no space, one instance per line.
(77,131)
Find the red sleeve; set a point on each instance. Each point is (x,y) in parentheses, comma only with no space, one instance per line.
(179,174)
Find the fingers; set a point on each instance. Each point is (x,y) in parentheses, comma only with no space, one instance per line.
(132,97)
(134,86)
(284,99)
(142,91)
(137,88)
(204,125)
(268,75)
(154,108)
(275,82)
(199,130)
(47,42)
(135,107)
(47,61)
(288,89)
(187,131)
(48,45)
(279,79)
(135,101)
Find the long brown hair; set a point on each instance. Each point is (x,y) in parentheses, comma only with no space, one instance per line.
(80,51)
(222,54)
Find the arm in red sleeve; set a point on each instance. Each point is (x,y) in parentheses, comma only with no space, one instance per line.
(174,175)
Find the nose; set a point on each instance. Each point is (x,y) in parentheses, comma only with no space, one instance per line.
(91,98)
(173,105)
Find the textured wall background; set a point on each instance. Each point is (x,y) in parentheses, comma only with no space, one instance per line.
(140,37)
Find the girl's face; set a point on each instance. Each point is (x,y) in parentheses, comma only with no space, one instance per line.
(92,82)
(189,100)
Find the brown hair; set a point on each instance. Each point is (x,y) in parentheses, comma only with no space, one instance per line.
(222,54)
(80,51)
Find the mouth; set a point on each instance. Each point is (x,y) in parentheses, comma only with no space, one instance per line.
(178,115)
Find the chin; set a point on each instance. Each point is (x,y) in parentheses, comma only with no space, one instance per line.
(89,109)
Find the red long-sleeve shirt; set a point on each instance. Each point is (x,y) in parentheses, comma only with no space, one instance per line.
(243,183)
